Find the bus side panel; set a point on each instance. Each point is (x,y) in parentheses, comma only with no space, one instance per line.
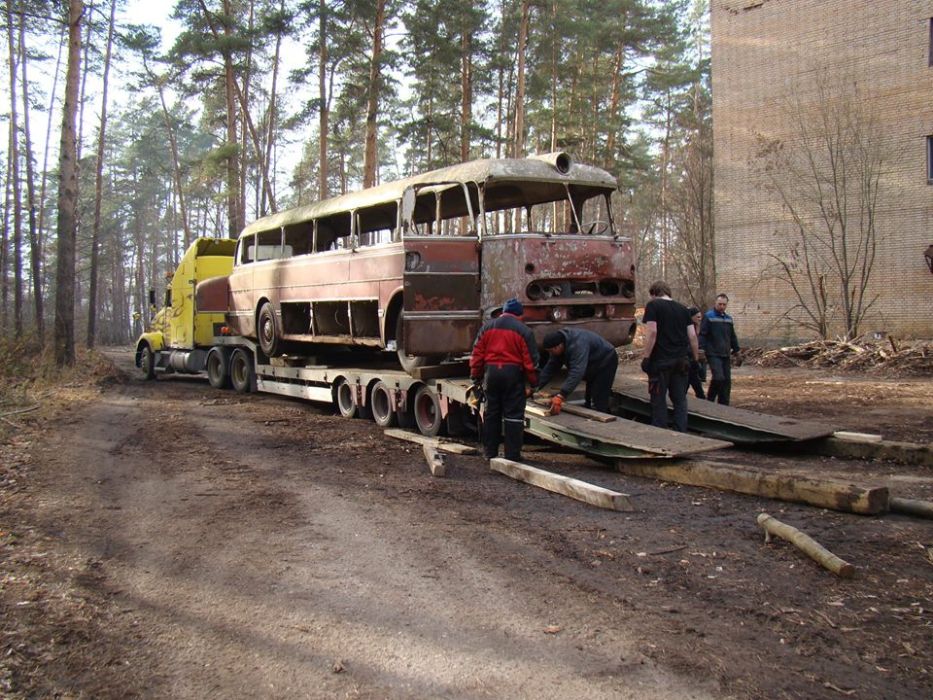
(441,294)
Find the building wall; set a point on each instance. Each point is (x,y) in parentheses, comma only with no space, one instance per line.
(766,56)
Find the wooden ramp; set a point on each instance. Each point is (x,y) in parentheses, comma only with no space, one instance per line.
(618,438)
(736,425)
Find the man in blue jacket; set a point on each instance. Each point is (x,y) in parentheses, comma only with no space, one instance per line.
(719,342)
(589,357)
(505,356)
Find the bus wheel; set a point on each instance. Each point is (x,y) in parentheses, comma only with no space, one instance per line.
(147,362)
(218,368)
(267,330)
(343,398)
(380,402)
(242,373)
(427,411)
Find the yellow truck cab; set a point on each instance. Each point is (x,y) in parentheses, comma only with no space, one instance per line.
(179,337)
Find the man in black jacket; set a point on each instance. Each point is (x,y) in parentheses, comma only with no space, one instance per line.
(505,356)
(719,342)
(589,357)
(670,344)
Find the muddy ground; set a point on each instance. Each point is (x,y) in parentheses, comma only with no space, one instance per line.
(163,539)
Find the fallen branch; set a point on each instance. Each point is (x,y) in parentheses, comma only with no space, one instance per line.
(806,544)
(18,411)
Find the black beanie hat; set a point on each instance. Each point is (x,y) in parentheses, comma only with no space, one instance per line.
(553,339)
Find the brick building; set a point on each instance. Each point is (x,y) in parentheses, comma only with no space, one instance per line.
(770,61)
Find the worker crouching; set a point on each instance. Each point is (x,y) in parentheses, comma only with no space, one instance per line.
(505,360)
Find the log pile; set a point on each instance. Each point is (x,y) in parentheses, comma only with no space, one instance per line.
(891,357)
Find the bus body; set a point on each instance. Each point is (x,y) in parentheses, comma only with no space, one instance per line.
(416,265)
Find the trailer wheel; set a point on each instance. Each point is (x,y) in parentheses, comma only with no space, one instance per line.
(242,373)
(343,398)
(427,411)
(147,362)
(218,368)
(380,401)
(267,330)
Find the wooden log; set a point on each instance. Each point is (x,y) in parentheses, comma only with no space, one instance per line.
(448,369)
(436,461)
(910,506)
(901,452)
(779,485)
(564,485)
(443,445)
(806,544)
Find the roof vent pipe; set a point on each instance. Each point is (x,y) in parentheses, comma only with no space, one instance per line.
(560,160)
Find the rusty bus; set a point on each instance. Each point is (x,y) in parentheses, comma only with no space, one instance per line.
(414,266)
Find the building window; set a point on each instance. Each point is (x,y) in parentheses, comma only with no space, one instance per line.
(930,50)
(929,160)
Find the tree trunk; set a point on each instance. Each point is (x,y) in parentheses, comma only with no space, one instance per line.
(466,90)
(518,150)
(35,250)
(68,196)
(99,187)
(324,106)
(371,155)
(17,184)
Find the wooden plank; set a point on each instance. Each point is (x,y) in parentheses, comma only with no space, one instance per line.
(856,437)
(779,485)
(806,544)
(435,460)
(564,485)
(901,452)
(572,409)
(445,445)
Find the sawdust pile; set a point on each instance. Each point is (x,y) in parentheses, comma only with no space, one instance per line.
(901,358)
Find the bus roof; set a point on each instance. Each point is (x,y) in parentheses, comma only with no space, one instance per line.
(485,171)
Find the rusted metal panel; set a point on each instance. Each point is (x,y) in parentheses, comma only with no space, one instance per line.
(578,281)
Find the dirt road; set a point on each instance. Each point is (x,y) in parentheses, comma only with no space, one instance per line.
(164,539)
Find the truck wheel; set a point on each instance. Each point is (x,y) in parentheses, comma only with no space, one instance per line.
(242,373)
(147,362)
(218,368)
(380,402)
(267,330)
(427,410)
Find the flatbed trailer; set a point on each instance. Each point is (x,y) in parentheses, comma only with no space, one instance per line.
(434,401)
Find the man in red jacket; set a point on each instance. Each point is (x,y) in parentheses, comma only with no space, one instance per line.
(506,357)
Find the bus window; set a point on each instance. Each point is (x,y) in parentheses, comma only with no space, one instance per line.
(298,238)
(268,245)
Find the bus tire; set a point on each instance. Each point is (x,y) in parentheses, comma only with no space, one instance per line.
(380,401)
(427,410)
(267,330)
(218,368)
(242,372)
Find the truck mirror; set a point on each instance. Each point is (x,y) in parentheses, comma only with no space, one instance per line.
(151,297)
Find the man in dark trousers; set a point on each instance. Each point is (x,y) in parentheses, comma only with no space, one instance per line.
(670,344)
(718,341)
(505,355)
(697,369)
(589,357)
